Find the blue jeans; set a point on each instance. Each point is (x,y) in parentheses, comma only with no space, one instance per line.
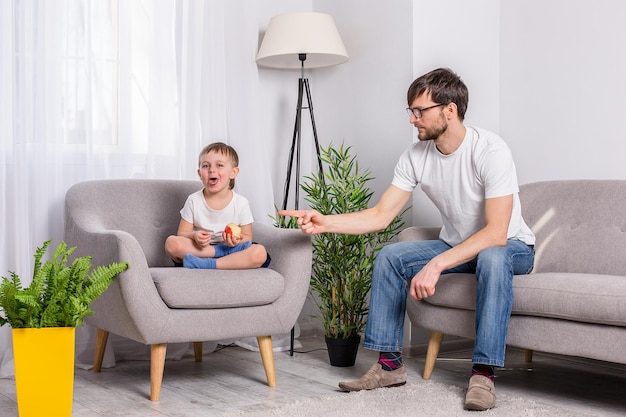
(398,263)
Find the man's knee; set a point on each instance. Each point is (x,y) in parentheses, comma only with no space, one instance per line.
(493,255)
(386,252)
(388,256)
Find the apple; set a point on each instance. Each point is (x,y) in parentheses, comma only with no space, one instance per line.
(233,229)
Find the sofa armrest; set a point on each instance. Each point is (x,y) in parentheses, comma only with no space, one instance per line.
(292,257)
(419,233)
(279,241)
(132,295)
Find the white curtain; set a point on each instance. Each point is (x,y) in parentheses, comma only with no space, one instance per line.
(96,89)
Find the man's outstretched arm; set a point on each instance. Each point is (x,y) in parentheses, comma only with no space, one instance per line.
(356,223)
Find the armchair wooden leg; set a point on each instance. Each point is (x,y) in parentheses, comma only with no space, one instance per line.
(434,344)
(197,351)
(157,364)
(528,355)
(101,343)
(267,356)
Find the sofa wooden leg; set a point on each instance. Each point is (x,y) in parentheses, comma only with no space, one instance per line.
(157,364)
(528,355)
(267,356)
(197,351)
(434,344)
(101,343)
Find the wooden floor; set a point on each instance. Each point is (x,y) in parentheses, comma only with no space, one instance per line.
(233,379)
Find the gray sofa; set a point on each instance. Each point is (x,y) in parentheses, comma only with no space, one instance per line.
(156,303)
(574,301)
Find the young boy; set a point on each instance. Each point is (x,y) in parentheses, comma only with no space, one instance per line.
(201,241)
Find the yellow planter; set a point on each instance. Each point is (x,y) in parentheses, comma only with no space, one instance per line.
(44,371)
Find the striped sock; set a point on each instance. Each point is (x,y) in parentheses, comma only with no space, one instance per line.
(484,370)
(390,361)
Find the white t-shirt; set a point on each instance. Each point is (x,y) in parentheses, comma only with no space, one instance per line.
(458,184)
(197,212)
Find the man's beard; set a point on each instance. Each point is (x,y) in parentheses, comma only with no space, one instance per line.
(433,133)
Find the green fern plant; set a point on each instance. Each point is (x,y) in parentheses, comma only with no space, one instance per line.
(343,264)
(59,295)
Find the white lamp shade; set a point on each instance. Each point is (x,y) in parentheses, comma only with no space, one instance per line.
(291,34)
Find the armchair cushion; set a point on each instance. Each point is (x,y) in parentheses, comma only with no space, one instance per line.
(194,288)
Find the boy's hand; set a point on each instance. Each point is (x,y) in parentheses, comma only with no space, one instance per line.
(231,240)
(233,229)
(232,235)
(202,238)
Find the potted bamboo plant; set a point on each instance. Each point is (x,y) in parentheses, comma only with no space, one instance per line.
(43,318)
(343,264)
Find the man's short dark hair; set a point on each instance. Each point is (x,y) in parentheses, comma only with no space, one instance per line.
(444,87)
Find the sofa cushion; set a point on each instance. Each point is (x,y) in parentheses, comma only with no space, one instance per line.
(203,288)
(580,225)
(586,298)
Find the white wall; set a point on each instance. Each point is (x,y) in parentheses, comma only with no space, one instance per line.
(362,102)
(563,90)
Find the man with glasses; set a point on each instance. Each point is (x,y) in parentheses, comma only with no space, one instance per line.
(470,176)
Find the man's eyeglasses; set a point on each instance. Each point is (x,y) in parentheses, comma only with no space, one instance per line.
(417,112)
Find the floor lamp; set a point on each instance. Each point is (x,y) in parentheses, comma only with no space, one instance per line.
(291,41)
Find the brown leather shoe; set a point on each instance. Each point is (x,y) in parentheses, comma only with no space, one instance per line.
(481,394)
(376,377)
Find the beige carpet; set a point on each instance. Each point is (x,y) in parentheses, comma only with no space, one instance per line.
(425,398)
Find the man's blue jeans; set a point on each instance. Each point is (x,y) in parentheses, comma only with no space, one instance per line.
(398,263)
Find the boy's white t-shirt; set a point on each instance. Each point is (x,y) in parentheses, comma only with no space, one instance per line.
(197,212)
(458,184)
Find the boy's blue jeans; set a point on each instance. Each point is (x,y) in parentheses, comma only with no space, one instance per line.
(398,263)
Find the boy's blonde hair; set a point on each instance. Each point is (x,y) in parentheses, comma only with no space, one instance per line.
(224,149)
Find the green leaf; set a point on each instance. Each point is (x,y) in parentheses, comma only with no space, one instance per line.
(59,294)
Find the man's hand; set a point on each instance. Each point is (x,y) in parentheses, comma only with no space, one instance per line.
(423,284)
(311,222)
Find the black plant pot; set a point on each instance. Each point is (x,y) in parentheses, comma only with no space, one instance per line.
(342,352)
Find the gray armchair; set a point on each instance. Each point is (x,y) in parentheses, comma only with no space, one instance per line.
(156,303)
